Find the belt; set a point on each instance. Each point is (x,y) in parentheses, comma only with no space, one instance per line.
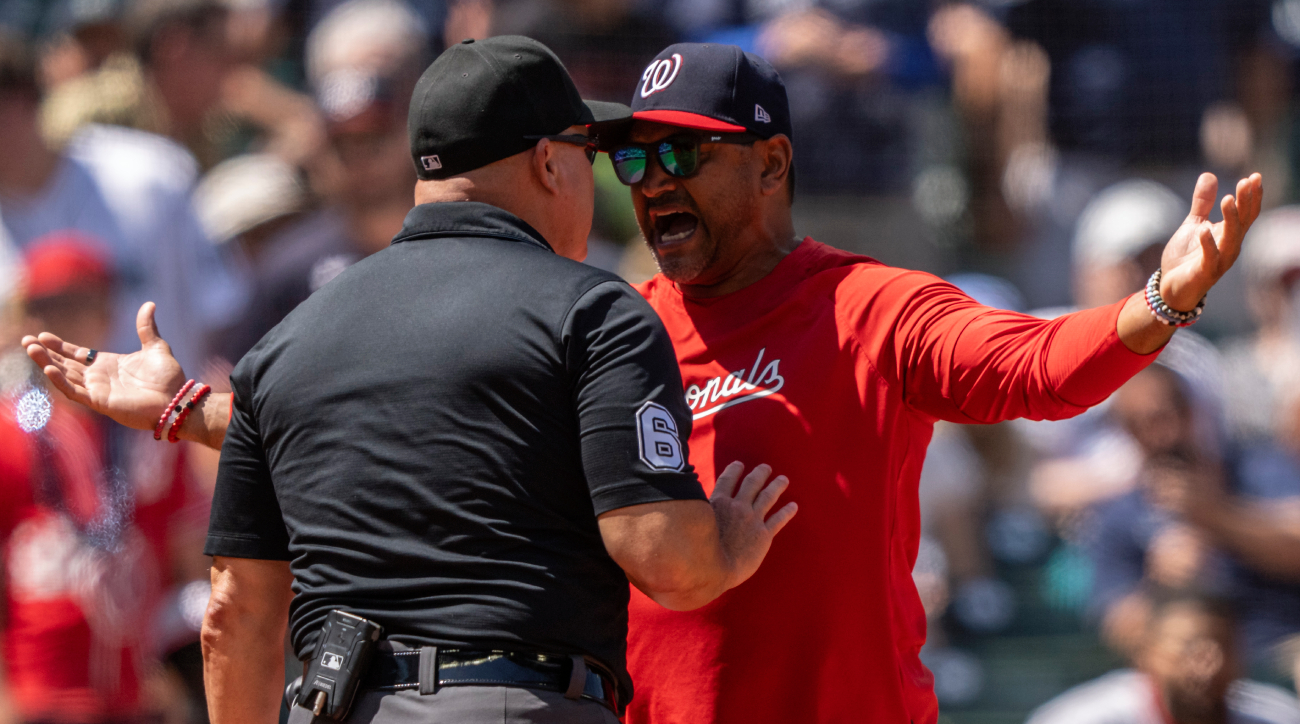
(430,667)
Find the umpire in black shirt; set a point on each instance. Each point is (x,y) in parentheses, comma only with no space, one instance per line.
(471,440)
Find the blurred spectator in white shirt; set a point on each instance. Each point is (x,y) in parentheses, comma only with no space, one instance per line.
(1186,673)
(132,190)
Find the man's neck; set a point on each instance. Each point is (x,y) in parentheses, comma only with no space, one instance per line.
(762,258)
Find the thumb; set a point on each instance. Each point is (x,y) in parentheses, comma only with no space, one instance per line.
(146,327)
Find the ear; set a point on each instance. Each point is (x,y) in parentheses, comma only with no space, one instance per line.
(546,167)
(776,155)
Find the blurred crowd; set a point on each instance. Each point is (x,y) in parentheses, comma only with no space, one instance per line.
(226,158)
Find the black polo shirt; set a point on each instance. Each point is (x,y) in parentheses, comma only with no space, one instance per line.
(429,438)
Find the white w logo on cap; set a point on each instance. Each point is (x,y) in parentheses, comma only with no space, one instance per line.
(660,74)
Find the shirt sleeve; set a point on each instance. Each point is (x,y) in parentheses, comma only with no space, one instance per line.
(960,361)
(632,416)
(246,521)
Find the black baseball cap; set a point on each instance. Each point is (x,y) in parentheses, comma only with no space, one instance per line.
(715,88)
(480,100)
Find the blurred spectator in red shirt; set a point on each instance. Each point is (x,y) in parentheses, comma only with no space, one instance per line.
(87,546)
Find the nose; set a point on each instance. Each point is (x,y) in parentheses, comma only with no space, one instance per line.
(656,181)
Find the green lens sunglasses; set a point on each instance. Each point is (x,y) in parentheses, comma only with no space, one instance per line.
(679,156)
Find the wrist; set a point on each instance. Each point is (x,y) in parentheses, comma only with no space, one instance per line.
(207,424)
(1168,305)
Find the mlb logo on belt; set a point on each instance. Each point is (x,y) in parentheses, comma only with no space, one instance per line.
(430,163)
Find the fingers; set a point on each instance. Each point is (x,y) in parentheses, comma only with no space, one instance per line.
(753,483)
(1233,231)
(73,392)
(1250,198)
(781,517)
(57,346)
(1207,188)
(145,326)
(725,485)
(1205,235)
(767,498)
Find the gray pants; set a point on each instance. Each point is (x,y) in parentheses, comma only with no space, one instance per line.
(468,705)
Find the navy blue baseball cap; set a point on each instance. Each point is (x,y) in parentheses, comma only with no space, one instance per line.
(713,87)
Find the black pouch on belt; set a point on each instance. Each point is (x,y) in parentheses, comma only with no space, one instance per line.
(347,644)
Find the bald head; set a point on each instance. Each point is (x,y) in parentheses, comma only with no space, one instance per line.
(549,186)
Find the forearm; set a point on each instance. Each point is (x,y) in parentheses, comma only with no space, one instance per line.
(698,577)
(207,424)
(672,552)
(243,652)
(1267,540)
(1139,330)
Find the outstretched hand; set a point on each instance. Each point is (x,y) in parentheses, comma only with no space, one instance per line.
(1200,253)
(742,514)
(132,389)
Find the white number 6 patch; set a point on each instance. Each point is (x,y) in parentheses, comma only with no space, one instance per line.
(656,431)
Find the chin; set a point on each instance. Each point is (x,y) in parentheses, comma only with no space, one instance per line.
(680,268)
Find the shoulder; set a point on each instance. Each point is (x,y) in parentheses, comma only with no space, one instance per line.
(1254,703)
(135,159)
(1115,698)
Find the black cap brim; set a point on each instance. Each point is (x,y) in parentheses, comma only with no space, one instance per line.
(597,113)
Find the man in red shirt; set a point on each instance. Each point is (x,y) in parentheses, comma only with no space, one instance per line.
(833,368)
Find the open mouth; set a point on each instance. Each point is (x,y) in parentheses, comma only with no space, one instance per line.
(675,228)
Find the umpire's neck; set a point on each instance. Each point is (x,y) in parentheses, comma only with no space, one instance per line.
(548,186)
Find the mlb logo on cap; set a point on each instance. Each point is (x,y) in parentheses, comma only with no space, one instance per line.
(431,163)
(715,88)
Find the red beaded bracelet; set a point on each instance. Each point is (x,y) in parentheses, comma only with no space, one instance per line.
(167,411)
(185,412)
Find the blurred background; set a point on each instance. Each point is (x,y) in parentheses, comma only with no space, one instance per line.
(225,158)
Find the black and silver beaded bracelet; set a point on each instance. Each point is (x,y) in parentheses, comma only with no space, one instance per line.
(1166,314)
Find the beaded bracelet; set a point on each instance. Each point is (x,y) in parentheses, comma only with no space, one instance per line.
(175,429)
(1166,314)
(167,411)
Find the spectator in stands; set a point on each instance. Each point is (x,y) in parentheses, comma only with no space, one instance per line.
(1091,458)
(363,60)
(1190,522)
(1186,672)
(87,539)
(168,83)
(258,208)
(1261,367)
(1146,83)
(129,188)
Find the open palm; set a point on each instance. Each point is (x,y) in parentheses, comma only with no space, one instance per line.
(1199,253)
(132,389)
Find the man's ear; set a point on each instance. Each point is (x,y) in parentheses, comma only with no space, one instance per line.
(777,156)
(546,167)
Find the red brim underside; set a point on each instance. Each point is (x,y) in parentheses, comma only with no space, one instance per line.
(688,120)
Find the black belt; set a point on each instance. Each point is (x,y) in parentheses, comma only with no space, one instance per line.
(549,672)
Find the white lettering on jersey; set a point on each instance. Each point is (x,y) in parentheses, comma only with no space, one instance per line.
(724,391)
(658,439)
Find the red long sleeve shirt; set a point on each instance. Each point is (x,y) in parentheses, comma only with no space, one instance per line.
(833,369)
